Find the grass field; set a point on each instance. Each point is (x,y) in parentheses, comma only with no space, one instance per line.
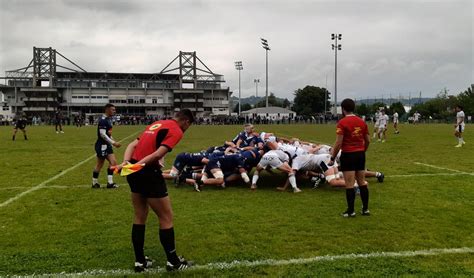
(60,225)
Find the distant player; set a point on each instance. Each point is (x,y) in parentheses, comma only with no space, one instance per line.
(149,189)
(103,147)
(58,121)
(416,117)
(395,122)
(382,129)
(20,124)
(459,126)
(376,123)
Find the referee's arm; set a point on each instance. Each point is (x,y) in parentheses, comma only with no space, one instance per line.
(337,146)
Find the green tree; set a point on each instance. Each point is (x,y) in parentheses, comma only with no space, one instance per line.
(362,109)
(466,100)
(310,100)
(397,107)
(272,101)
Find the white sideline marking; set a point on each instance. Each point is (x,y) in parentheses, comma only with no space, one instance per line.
(268,262)
(442,168)
(41,185)
(427,175)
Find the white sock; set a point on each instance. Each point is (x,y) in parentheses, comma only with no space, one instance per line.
(459,140)
(377,174)
(292,180)
(94,181)
(110,178)
(254,179)
(462,139)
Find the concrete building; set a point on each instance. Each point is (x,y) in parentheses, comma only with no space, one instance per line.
(273,113)
(186,82)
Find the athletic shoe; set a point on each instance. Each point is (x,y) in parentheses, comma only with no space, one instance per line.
(95,185)
(348,214)
(253,187)
(458,146)
(57,132)
(296,190)
(182,265)
(464,143)
(381,177)
(379,140)
(62,131)
(112,185)
(197,187)
(383,141)
(316,181)
(365,212)
(140,267)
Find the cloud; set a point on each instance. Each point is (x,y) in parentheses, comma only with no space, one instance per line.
(387,46)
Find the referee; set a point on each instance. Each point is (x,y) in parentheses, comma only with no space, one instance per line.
(149,188)
(353,140)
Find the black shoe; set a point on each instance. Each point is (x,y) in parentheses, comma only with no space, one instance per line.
(381,177)
(197,187)
(95,185)
(140,267)
(112,185)
(182,265)
(348,214)
(316,181)
(365,212)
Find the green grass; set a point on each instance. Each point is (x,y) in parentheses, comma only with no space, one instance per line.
(75,229)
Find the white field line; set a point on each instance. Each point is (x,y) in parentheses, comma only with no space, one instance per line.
(442,168)
(268,262)
(41,185)
(427,175)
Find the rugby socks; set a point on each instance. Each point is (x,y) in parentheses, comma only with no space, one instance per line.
(255,178)
(26,138)
(350,198)
(377,174)
(167,241)
(95,177)
(138,240)
(364,196)
(110,175)
(292,180)
(13,137)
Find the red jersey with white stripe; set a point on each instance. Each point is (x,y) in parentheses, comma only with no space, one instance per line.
(161,133)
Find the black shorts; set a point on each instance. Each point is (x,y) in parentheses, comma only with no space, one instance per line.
(148,182)
(354,161)
(103,150)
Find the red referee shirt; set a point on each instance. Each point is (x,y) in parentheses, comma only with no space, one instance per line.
(161,133)
(354,130)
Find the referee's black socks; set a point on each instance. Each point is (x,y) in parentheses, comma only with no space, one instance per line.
(167,240)
(364,196)
(138,240)
(350,198)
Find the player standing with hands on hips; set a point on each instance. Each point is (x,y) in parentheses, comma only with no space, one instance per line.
(103,147)
(353,139)
(148,186)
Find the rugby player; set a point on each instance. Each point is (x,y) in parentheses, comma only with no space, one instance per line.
(20,124)
(416,117)
(224,169)
(149,190)
(382,128)
(395,122)
(58,118)
(459,126)
(376,123)
(103,148)
(275,159)
(353,139)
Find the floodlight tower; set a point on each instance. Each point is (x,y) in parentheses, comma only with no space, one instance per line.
(239,67)
(267,48)
(335,46)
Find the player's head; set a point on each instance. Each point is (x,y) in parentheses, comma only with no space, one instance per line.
(109,109)
(459,108)
(348,106)
(382,111)
(248,128)
(185,119)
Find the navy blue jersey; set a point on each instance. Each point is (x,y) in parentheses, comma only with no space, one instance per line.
(227,163)
(20,123)
(188,159)
(104,123)
(246,139)
(252,157)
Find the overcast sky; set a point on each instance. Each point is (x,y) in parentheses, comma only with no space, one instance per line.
(388,47)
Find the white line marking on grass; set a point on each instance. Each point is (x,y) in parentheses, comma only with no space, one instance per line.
(427,175)
(49,186)
(442,168)
(269,262)
(41,185)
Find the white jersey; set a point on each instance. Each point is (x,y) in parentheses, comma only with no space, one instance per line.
(274,159)
(395,118)
(292,150)
(460,118)
(383,120)
(311,162)
(416,116)
(324,149)
(377,118)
